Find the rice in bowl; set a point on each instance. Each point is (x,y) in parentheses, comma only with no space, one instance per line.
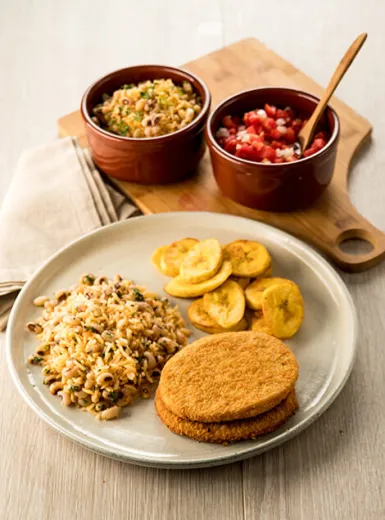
(104,342)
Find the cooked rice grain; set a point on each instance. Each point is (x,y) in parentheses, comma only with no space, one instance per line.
(105,342)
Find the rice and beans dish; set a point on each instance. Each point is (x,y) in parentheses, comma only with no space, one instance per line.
(148,109)
(103,342)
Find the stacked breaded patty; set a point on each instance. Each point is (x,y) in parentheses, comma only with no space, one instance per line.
(228,387)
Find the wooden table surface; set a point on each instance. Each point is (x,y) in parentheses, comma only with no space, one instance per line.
(335,470)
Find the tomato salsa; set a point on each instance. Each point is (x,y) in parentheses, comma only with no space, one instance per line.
(267,135)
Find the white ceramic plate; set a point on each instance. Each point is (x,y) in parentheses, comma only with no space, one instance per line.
(325,345)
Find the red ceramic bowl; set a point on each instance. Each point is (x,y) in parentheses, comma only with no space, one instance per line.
(155,160)
(272,187)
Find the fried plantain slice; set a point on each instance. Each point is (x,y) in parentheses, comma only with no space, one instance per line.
(248,258)
(202,321)
(254,292)
(202,261)
(242,281)
(258,323)
(174,254)
(283,310)
(180,289)
(156,257)
(225,305)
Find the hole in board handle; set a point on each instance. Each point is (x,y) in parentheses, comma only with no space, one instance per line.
(355,242)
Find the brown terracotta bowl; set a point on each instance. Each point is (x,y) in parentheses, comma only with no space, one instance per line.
(155,160)
(272,187)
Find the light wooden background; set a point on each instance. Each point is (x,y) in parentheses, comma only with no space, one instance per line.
(49,53)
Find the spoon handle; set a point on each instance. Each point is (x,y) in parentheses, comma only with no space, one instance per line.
(307,132)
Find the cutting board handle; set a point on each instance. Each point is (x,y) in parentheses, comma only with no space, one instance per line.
(357,228)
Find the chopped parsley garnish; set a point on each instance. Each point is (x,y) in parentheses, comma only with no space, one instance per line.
(37,359)
(113,396)
(145,95)
(86,327)
(88,279)
(123,128)
(128,85)
(138,116)
(138,295)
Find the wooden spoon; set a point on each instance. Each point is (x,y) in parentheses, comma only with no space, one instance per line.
(307,131)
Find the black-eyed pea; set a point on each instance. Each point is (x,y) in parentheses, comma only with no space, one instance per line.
(65,397)
(104,379)
(110,413)
(34,327)
(40,301)
(48,380)
(55,387)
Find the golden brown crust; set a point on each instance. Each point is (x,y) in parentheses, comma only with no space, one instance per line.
(228,431)
(228,376)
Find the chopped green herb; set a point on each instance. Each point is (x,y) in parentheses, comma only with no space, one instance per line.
(138,295)
(37,359)
(88,279)
(128,85)
(123,128)
(145,95)
(114,396)
(86,327)
(138,116)
(74,388)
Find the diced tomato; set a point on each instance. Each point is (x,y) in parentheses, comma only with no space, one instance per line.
(251,118)
(251,130)
(258,145)
(228,122)
(270,110)
(309,151)
(318,144)
(321,135)
(230,144)
(269,153)
(269,123)
(290,136)
(275,134)
(248,152)
(256,137)
(282,114)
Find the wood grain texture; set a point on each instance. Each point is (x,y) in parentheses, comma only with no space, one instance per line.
(326,224)
(335,470)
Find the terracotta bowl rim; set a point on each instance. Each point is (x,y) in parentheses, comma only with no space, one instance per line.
(212,142)
(119,138)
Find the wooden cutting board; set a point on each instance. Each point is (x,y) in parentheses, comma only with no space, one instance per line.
(331,221)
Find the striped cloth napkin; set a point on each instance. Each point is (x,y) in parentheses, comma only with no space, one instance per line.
(56,195)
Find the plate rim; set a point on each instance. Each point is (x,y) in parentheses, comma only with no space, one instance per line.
(142,460)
